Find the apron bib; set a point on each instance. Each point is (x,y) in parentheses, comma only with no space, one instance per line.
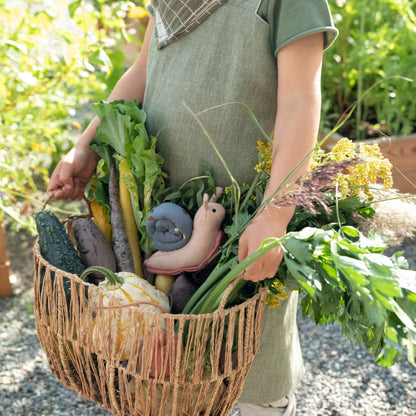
(224,61)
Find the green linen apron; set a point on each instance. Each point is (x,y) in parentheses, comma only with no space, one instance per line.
(225,61)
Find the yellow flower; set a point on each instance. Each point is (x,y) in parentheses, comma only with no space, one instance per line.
(228,189)
(138,12)
(273,299)
(344,149)
(37,147)
(362,176)
(77,125)
(265,155)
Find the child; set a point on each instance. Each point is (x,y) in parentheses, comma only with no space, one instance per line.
(210,56)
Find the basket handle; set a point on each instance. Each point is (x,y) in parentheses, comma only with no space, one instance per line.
(227,292)
(51,195)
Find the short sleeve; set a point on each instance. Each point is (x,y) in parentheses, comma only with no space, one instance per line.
(293,19)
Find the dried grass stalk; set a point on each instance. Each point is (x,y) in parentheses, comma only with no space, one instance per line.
(394,218)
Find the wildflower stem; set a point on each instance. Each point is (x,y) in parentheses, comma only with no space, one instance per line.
(211,141)
(250,113)
(337,205)
(192,179)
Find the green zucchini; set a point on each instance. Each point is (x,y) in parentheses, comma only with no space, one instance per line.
(55,244)
(56,247)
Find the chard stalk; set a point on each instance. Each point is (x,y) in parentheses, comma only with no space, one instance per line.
(216,294)
(206,286)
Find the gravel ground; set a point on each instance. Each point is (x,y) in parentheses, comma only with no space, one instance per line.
(341,380)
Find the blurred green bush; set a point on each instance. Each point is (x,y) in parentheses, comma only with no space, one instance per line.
(376,48)
(54,58)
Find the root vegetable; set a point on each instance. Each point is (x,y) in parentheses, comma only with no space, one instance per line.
(158,354)
(164,282)
(121,246)
(101,219)
(180,292)
(130,227)
(92,245)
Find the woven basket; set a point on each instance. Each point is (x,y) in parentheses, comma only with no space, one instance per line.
(133,361)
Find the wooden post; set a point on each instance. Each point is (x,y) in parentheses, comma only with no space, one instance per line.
(6,290)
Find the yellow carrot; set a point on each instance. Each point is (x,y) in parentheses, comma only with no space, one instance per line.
(130,227)
(101,219)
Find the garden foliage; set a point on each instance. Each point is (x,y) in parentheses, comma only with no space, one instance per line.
(375,50)
(54,58)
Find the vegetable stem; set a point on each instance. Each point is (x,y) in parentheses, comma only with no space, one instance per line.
(215,296)
(207,285)
(114,279)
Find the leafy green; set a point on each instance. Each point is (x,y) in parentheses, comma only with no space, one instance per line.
(122,139)
(369,293)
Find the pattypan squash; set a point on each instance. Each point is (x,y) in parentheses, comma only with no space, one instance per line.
(134,290)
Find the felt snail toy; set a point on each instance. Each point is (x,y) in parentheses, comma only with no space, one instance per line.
(203,244)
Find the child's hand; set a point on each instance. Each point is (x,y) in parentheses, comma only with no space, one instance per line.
(269,223)
(73,173)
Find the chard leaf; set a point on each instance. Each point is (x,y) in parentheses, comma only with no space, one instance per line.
(113,129)
(103,150)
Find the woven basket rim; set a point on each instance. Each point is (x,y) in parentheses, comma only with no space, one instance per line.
(243,305)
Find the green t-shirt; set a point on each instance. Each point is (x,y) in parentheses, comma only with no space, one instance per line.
(311,16)
(292,19)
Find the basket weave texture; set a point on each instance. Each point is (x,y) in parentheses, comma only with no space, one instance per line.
(135,361)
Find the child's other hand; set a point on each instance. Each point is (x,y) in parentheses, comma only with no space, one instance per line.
(269,223)
(73,173)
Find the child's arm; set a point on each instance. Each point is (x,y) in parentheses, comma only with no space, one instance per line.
(297,123)
(74,171)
